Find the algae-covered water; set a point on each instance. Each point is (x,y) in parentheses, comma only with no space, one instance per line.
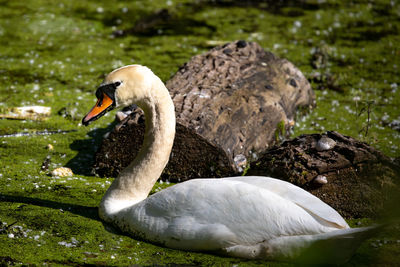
(55,53)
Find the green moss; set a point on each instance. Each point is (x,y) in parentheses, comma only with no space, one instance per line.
(55,53)
(246,169)
(280,131)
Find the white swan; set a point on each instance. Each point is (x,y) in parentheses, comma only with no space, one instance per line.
(249,217)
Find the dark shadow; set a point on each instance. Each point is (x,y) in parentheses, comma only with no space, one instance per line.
(83,162)
(272,6)
(180,20)
(167,22)
(364,31)
(84,211)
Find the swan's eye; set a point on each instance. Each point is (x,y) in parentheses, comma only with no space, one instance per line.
(107,89)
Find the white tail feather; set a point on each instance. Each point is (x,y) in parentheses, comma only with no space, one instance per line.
(334,247)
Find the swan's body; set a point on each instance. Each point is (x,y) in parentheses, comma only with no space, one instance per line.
(249,217)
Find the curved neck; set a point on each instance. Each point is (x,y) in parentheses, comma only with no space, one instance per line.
(135,182)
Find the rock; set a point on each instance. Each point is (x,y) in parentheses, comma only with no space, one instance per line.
(349,175)
(320,180)
(50,147)
(233,101)
(240,161)
(62,172)
(325,143)
(237,94)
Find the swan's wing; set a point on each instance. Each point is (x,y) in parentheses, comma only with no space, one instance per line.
(177,218)
(302,198)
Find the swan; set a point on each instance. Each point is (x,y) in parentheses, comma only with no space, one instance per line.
(249,217)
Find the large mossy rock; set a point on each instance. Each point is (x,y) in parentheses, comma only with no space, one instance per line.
(231,104)
(236,95)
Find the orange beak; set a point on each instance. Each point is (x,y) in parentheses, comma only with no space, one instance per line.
(102,106)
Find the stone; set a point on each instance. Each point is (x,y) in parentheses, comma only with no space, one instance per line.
(62,172)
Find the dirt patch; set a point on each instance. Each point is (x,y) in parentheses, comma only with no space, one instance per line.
(349,175)
(192,156)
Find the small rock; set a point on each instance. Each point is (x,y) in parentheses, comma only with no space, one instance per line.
(240,161)
(62,172)
(120,116)
(50,147)
(325,143)
(321,179)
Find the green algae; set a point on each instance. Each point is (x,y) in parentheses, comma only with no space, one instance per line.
(56,53)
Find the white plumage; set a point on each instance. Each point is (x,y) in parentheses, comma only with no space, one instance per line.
(249,217)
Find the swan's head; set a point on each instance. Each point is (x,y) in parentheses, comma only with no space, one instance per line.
(122,87)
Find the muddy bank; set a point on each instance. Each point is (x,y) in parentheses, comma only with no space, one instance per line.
(351,176)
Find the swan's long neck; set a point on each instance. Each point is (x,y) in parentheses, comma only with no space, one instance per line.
(136,181)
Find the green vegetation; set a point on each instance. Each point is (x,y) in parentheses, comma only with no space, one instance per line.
(280,132)
(55,53)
